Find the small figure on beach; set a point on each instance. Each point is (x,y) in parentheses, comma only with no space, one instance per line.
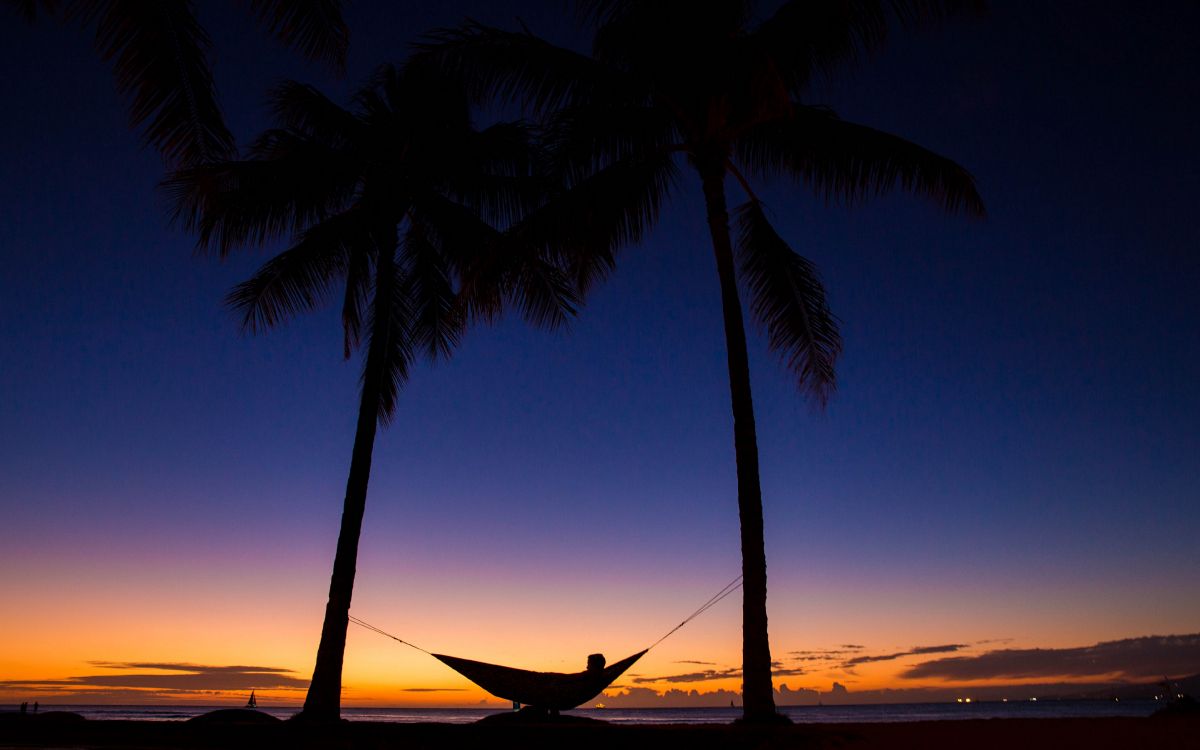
(35,706)
(25,707)
(595,662)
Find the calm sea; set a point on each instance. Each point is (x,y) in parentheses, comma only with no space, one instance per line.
(799,714)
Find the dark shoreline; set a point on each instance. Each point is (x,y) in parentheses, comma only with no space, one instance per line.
(1171,733)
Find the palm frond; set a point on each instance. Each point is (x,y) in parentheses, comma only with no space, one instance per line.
(392,320)
(355,298)
(805,39)
(503,148)
(302,108)
(510,273)
(542,293)
(582,228)
(455,229)
(516,66)
(584,139)
(423,100)
(315,28)
(299,279)
(495,270)
(289,183)
(492,173)
(160,62)
(788,300)
(846,162)
(435,324)
(670,38)
(598,12)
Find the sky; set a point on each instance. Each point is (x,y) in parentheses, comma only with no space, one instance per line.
(1002,492)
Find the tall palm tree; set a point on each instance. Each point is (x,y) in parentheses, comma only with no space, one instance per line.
(159,53)
(395,203)
(668,80)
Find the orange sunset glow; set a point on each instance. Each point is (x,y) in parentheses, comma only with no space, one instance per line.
(88,648)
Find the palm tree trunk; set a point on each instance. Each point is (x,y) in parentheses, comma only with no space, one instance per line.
(758,694)
(323,702)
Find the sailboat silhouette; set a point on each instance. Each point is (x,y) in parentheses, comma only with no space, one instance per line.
(252,703)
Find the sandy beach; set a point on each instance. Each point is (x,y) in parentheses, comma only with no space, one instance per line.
(1026,734)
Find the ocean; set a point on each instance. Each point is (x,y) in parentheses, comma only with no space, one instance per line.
(800,714)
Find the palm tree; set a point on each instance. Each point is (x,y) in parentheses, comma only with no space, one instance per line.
(394,203)
(159,53)
(667,80)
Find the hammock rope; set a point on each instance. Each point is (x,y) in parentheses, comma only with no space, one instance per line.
(385,634)
(729,588)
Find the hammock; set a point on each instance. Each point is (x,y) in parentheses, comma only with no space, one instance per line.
(551,690)
(554,691)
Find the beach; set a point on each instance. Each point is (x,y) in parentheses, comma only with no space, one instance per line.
(1027,734)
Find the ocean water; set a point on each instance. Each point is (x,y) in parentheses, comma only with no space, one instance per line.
(799,714)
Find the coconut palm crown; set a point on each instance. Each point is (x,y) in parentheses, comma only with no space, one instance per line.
(395,207)
(671,83)
(161,64)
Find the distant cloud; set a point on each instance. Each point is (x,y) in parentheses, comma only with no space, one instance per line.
(182,666)
(641,697)
(1156,651)
(173,677)
(918,651)
(692,661)
(707,675)
(701,676)
(22,690)
(852,646)
(1131,658)
(786,696)
(824,654)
